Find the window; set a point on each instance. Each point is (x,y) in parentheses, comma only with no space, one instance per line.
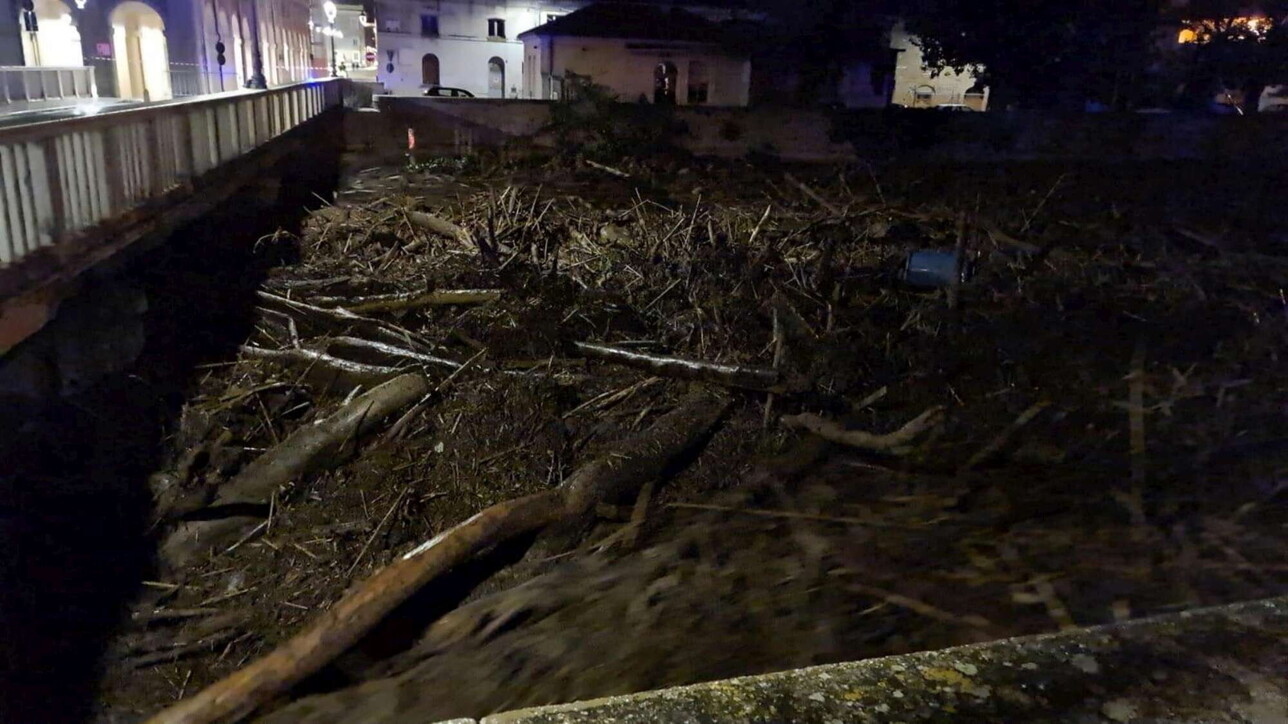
(495,28)
(429,25)
(698,85)
(392,26)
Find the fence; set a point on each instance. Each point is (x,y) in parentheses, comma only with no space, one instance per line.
(62,178)
(19,83)
(187,80)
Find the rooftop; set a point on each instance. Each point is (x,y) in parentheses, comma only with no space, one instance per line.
(637,21)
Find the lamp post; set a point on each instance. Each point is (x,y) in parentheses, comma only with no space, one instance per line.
(330,10)
(256,79)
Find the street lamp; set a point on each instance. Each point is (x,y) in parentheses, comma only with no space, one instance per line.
(256,79)
(330,10)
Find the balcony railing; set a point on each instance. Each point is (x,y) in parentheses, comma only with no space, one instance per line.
(21,83)
(61,179)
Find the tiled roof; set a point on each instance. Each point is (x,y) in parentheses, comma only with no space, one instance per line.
(634,21)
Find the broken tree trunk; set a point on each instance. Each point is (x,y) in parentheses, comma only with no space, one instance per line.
(308,449)
(894,443)
(410,300)
(607,169)
(392,354)
(440,226)
(747,378)
(344,623)
(322,370)
(333,320)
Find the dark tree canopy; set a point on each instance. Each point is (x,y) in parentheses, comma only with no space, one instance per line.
(1240,47)
(1043,54)
(1120,54)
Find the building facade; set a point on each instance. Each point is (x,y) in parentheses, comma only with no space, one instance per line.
(280,26)
(916,87)
(638,52)
(159,49)
(457,43)
(350,38)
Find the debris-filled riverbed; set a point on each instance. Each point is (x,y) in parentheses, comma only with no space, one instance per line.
(722,433)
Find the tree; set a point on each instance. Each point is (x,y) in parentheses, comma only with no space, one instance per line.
(815,39)
(1230,46)
(1041,54)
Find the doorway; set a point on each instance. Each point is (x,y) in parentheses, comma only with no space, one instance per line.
(664,76)
(496,78)
(429,70)
(139,51)
(58,42)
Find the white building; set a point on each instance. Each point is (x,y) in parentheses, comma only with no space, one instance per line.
(915,87)
(351,36)
(457,43)
(155,50)
(638,52)
(283,34)
(474,45)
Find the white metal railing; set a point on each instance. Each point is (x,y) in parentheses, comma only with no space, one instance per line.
(39,83)
(62,178)
(186,80)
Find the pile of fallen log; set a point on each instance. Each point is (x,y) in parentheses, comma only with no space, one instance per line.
(376,326)
(776,319)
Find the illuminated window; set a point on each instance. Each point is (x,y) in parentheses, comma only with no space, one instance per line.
(1187,36)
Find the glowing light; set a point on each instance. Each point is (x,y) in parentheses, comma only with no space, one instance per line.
(330,10)
(1203,31)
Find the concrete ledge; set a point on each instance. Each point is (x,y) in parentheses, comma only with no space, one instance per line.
(727,132)
(1224,664)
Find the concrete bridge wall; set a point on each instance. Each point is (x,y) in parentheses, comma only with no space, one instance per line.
(454,125)
(66,335)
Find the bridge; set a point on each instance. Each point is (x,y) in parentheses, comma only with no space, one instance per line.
(75,192)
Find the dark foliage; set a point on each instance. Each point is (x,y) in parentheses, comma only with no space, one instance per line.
(591,122)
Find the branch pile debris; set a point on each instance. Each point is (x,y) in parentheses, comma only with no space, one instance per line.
(656,381)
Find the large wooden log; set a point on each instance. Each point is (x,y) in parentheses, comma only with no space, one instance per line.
(308,449)
(344,623)
(739,376)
